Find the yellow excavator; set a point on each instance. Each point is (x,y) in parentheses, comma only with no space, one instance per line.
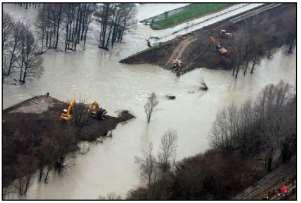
(94,108)
(96,112)
(67,113)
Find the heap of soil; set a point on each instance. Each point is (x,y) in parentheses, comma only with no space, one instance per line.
(195,51)
(48,108)
(33,128)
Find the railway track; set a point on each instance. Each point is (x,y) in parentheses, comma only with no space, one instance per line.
(270,184)
(253,12)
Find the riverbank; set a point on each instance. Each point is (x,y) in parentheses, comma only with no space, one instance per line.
(270,29)
(216,175)
(110,168)
(245,152)
(34,137)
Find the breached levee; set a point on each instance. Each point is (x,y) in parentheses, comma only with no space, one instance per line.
(36,138)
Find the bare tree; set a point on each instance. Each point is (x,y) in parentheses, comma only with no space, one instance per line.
(48,24)
(151,103)
(114,18)
(148,165)
(14,45)
(290,26)
(167,152)
(27,57)
(7,35)
(24,171)
(77,19)
(19,48)
(259,126)
(240,51)
(247,48)
(7,28)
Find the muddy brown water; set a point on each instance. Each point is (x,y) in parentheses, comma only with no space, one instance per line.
(109,167)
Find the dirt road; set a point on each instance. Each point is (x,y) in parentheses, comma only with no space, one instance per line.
(177,53)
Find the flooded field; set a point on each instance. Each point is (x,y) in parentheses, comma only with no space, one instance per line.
(94,74)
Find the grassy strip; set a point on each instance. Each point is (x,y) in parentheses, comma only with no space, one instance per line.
(189,12)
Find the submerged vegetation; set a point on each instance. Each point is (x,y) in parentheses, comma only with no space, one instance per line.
(60,26)
(248,141)
(19,48)
(259,128)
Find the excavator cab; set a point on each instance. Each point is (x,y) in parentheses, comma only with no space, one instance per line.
(94,108)
(67,113)
(96,112)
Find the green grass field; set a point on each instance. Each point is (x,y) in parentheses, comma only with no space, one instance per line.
(190,12)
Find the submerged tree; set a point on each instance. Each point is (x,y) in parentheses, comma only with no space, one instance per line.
(28,53)
(114,19)
(70,19)
(167,150)
(12,46)
(151,103)
(19,48)
(265,125)
(48,24)
(148,165)
(77,19)
(7,27)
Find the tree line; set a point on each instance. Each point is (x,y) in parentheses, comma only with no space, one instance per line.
(267,125)
(251,42)
(69,23)
(60,25)
(38,145)
(113,18)
(66,23)
(19,48)
(264,127)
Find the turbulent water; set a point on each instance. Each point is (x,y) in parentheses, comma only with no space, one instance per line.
(95,74)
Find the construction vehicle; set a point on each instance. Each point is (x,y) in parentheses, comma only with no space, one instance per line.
(94,108)
(177,64)
(219,48)
(226,35)
(95,111)
(67,113)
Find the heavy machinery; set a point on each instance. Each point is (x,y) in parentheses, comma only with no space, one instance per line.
(95,111)
(67,113)
(94,108)
(220,49)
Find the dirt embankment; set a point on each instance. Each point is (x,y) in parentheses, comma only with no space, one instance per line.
(34,136)
(271,29)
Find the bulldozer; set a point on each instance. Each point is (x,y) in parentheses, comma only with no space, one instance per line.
(67,113)
(96,112)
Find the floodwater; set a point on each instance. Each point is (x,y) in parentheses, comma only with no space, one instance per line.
(94,74)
